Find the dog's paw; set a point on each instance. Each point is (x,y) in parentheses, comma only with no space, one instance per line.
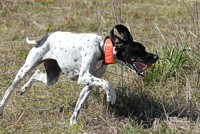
(22,90)
(111,98)
(73,120)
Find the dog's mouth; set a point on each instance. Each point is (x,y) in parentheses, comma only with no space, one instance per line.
(139,67)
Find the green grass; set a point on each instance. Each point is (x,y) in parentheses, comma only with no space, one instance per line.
(165,101)
(172,64)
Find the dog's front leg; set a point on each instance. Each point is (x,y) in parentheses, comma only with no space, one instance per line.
(88,65)
(82,98)
(88,71)
(90,80)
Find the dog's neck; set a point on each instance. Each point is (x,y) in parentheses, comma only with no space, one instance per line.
(107,52)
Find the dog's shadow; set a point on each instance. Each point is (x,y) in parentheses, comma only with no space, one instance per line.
(137,105)
(143,108)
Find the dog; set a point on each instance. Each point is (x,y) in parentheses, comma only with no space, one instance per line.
(82,57)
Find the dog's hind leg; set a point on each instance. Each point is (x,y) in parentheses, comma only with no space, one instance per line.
(50,77)
(39,76)
(82,98)
(32,60)
(20,75)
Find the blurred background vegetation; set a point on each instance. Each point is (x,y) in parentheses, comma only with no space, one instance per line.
(165,101)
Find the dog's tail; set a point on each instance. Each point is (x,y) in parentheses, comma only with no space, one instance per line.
(33,42)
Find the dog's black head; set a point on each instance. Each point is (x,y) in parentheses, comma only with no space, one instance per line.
(129,52)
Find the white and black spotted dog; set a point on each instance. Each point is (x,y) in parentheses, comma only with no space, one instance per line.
(81,57)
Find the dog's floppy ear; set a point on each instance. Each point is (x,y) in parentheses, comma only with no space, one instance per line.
(123,32)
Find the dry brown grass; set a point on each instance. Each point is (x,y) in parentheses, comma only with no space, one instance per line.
(160,103)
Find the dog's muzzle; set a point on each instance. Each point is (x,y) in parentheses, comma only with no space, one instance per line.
(139,67)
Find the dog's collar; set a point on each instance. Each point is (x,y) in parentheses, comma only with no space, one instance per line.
(107,54)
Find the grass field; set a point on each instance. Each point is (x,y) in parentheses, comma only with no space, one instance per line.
(166,101)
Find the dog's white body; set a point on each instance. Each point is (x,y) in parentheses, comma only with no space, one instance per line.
(77,55)
(71,51)
(81,57)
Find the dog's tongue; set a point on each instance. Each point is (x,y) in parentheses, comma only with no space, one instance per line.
(142,66)
(149,64)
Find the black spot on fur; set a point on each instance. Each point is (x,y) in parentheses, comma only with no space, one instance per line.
(92,80)
(41,42)
(75,60)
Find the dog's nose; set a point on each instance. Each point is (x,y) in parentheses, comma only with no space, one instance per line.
(155,57)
